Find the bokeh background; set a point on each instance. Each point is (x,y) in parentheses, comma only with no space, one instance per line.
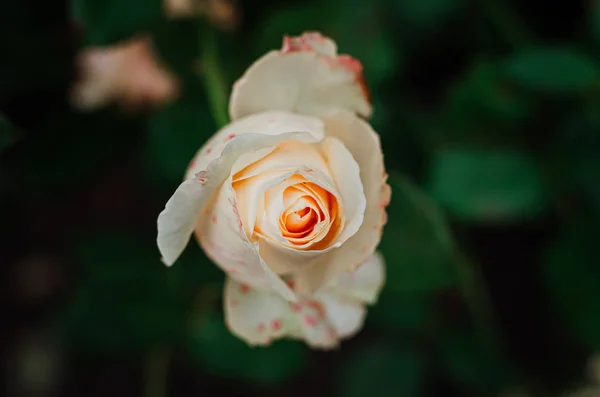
(489,112)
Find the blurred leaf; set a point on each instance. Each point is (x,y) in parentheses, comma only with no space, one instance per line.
(224,355)
(108,21)
(381,370)
(554,69)
(176,133)
(573,277)
(416,242)
(483,185)
(483,100)
(126,300)
(8,134)
(473,364)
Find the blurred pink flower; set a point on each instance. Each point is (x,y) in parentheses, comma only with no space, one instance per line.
(222,13)
(127,73)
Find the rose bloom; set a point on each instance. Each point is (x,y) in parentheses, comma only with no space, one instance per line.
(289,199)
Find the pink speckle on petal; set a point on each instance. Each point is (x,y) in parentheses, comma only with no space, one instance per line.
(261,327)
(234,303)
(201,180)
(229,137)
(213,219)
(332,333)
(310,321)
(209,150)
(276,325)
(296,307)
(244,289)
(317,307)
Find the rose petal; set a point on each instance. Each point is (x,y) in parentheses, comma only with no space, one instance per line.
(259,317)
(346,175)
(346,316)
(365,282)
(222,237)
(363,143)
(267,123)
(310,41)
(287,156)
(255,316)
(306,77)
(335,313)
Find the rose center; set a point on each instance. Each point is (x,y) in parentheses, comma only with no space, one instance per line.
(301,221)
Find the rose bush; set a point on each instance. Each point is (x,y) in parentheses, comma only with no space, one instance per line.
(289,199)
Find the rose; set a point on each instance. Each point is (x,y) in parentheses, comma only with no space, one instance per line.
(289,199)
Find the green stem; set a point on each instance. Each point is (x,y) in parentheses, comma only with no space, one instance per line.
(508,23)
(214,79)
(156,368)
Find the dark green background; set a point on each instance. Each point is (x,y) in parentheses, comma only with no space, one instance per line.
(489,113)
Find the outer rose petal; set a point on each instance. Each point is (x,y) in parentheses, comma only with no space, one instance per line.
(305,77)
(222,237)
(267,123)
(360,139)
(322,320)
(365,282)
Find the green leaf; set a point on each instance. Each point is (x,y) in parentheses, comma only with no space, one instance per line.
(483,185)
(482,100)
(416,242)
(8,135)
(223,355)
(554,70)
(573,277)
(127,300)
(108,21)
(176,133)
(381,370)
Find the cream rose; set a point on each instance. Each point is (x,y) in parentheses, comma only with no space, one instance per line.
(289,199)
